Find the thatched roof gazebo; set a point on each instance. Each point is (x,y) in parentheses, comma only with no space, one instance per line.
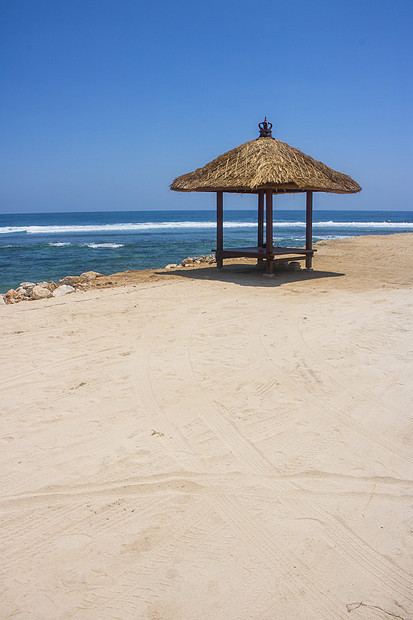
(265,166)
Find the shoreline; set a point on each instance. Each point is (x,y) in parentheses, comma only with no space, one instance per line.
(174,441)
(93,279)
(52,246)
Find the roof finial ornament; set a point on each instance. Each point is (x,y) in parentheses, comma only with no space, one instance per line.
(265,129)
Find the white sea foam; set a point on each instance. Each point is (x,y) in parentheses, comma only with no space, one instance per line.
(102,228)
(358,224)
(147,226)
(331,224)
(12,229)
(105,245)
(59,244)
(329,237)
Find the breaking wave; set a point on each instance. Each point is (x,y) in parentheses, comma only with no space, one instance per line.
(148,226)
(104,245)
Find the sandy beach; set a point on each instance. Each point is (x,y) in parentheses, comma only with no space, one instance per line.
(200,444)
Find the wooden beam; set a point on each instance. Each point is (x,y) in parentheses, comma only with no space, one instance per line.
(309,229)
(269,243)
(220,228)
(260,219)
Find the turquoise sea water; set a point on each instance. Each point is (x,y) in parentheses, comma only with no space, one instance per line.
(48,246)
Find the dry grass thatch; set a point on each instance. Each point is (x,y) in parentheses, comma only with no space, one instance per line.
(265,163)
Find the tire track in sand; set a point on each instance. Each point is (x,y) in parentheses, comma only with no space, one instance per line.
(233,512)
(351,545)
(331,410)
(336,376)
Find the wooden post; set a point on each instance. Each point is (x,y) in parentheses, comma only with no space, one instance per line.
(260,219)
(309,229)
(260,241)
(269,243)
(220,228)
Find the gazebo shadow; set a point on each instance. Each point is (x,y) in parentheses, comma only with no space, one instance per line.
(250,275)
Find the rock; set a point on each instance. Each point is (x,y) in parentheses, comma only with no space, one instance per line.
(23,291)
(25,288)
(64,289)
(2,302)
(196,260)
(171,266)
(12,297)
(70,280)
(294,266)
(90,275)
(39,292)
(188,261)
(27,284)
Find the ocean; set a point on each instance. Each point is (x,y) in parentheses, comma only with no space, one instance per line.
(49,246)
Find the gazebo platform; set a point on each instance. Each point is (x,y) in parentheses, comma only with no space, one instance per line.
(277,254)
(261,253)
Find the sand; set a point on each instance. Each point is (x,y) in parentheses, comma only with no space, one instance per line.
(199,444)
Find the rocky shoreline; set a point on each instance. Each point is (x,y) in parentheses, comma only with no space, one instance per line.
(190,261)
(31,291)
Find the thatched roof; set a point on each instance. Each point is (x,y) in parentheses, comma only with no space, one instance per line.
(265,163)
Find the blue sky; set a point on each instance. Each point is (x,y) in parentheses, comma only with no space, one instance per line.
(104,102)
